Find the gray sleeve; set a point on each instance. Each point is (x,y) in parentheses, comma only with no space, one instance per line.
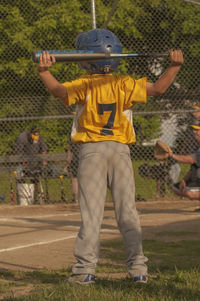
(196,157)
(19,149)
(43,145)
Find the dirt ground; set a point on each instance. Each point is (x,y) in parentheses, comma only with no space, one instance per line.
(36,237)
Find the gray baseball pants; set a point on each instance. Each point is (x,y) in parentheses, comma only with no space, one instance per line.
(101,164)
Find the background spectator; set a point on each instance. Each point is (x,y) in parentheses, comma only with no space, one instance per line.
(190,184)
(29,144)
(190,144)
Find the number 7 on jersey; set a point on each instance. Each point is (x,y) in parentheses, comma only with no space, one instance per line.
(108,107)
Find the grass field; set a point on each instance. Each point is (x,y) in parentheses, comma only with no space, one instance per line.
(173,275)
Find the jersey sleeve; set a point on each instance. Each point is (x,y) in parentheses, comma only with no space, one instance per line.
(135,91)
(76,91)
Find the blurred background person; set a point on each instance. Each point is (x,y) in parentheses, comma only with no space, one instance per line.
(29,144)
(190,144)
(190,184)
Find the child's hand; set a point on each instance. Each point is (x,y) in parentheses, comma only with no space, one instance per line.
(45,62)
(182,185)
(176,57)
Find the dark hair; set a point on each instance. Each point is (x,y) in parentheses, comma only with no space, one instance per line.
(34,130)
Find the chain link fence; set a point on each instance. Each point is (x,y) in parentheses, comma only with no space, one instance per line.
(142,26)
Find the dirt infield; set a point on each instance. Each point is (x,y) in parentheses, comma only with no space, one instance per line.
(36,237)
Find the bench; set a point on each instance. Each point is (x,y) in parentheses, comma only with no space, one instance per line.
(55,164)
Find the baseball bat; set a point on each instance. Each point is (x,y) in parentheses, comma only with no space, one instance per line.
(16,186)
(12,190)
(42,200)
(89,56)
(46,185)
(39,193)
(63,197)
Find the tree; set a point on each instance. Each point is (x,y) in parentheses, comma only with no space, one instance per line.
(142,26)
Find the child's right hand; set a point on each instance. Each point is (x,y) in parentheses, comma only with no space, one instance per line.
(176,57)
(45,62)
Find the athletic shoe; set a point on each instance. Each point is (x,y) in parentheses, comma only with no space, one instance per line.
(140,279)
(82,279)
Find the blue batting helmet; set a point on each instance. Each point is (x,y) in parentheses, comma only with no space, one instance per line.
(99,40)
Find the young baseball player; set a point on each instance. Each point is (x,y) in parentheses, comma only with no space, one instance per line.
(104,128)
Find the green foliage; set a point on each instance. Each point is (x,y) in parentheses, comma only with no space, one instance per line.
(54,131)
(156,25)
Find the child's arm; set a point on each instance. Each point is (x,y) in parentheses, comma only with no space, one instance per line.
(163,83)
(183,158)
(54,87)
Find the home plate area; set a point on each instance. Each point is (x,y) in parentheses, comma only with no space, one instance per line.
(42,236)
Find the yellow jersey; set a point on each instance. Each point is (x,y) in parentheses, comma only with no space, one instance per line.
(104,103)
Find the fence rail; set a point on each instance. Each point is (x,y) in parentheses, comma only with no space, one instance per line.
(142,26)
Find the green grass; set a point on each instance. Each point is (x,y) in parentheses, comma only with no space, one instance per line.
(174,274)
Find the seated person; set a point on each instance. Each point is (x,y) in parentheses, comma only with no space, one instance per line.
(190,144)
(190,184)
(29,144)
